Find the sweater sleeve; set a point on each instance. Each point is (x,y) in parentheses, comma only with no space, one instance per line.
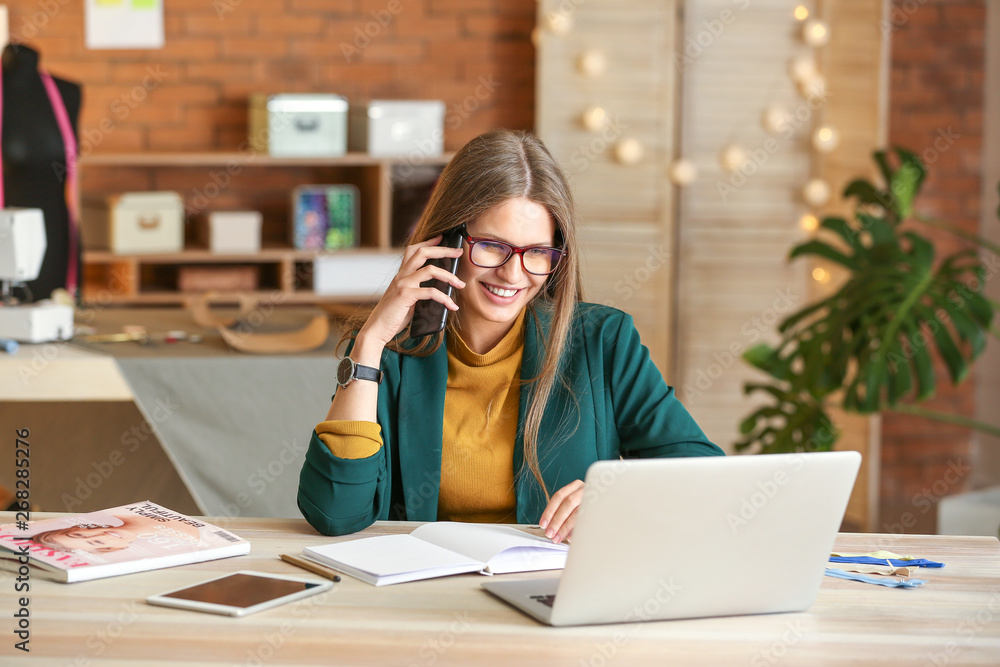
(350,439)
(651,421)
(342,486)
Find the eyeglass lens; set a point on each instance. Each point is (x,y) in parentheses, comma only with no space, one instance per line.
(491,254)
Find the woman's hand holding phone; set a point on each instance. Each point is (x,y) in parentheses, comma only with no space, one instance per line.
(395,309)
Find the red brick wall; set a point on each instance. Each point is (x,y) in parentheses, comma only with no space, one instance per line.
(476,55)
(936,110)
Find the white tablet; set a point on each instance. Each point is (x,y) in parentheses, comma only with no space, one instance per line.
(240,593)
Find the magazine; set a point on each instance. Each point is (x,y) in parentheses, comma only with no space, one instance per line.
(440,549)
(120,540)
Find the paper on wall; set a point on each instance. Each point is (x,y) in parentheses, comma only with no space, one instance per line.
(124,24)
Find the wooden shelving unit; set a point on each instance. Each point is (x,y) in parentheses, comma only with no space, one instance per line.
(245,180)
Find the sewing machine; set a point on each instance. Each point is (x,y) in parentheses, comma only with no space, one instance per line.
(22,248)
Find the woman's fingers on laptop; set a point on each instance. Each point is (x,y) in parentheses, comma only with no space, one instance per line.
(559,516)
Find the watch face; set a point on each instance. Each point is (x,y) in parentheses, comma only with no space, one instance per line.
(345,371)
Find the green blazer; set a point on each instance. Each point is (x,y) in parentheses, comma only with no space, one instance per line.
(618,405)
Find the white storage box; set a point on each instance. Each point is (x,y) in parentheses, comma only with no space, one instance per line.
(308,125)
(398,127)
(972,513)
(134,223)
(362,274)
(234,231)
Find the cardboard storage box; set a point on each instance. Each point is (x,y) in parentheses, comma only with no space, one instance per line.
(134,223)
(398,127)
(354,273)
(218,278)
(234,231)
(308,125)
(324,217)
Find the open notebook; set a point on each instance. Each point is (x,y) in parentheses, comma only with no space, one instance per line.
(440,549)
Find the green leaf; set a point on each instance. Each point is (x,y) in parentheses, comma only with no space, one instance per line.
(957,367)
(924,367)
(900,378)
(823,250)
(881,232)
(882,160)
(967,330)
(841,228)
(865,192)
(905,183)
(921,250)
(760,356)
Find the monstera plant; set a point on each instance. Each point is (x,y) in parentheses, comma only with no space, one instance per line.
(870,346)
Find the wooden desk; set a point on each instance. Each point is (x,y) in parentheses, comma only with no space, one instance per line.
(954,619)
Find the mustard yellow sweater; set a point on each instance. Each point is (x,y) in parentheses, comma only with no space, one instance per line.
(480,423)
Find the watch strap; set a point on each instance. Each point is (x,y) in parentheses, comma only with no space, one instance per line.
(367,373)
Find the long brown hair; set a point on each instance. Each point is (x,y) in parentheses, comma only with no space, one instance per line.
(489,170)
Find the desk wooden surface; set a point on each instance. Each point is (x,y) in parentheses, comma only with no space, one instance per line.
(954,619)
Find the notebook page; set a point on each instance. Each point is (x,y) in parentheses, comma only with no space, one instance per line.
(392,554)
(483,541)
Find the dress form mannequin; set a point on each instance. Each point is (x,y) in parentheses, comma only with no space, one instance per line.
(34,159)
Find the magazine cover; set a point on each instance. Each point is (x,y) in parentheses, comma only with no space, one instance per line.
(121,540)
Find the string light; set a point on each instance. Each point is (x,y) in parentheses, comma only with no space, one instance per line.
(593,118)
(825,139)
(682,172)
(801,13)
(815,33)
(592,62)
(775,118)
(809,222)
(558,23)
(733,157)
(803,68)
(816,192)
(628,151)
(821,275)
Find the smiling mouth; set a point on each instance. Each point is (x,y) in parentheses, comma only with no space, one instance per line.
(499,291)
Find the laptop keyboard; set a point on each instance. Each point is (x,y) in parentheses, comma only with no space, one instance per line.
(547,600)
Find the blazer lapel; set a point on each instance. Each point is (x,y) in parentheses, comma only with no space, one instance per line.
(526,489)
(421,410)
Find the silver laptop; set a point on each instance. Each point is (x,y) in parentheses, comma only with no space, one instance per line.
(686,538)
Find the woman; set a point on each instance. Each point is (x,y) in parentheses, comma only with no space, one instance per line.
(117,533)
(498,417)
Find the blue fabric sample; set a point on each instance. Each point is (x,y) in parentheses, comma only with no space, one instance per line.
(891,583)
(868,560)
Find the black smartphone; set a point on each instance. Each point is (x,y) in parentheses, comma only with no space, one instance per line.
(428,315)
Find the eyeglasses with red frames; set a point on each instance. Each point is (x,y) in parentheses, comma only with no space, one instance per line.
(490,254)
